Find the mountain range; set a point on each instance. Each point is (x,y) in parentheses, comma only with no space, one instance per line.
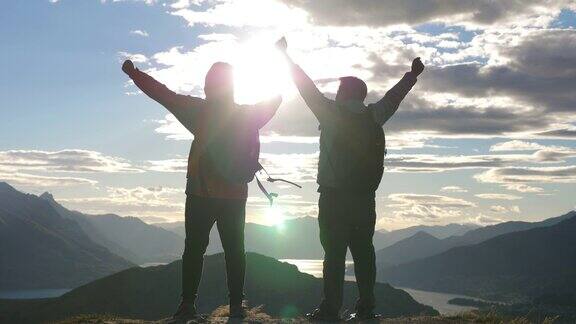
(39,248)
(153,293)
(422,244)
(516,266)
(128,237)
(45,245)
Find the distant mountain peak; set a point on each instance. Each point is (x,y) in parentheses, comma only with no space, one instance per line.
(5,187)
(424,235)
(47,196)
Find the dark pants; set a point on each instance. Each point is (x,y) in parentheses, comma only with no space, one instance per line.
(229,216)
(347,221)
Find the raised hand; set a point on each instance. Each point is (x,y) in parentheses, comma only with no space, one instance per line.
(281,44)
(128,67)
(417,66)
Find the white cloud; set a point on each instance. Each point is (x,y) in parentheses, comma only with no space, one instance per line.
(453,189)
(31,180)
(520,187)
(498,196)
(136,58)
(139,32)
(427,207)
(510,176)
(173,129)
(218,37)
(144,202)
(70,160)
(171,165)
(484,220)
(296,167)
(241,13)
(516,145)
(502,209)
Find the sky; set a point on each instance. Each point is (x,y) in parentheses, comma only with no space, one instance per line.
(487,134)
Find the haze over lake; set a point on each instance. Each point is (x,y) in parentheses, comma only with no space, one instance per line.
(435,299)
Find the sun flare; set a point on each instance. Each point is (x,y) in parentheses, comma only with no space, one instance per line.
(275,217)
(260,72)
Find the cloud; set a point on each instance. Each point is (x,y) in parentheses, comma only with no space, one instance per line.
(438,163)
(148,2)
(173,129)
(498,196)
(218,37)
(158,201)
(388,12)
(453,189)
(139,32)
(296,167)
(31,180)
(561,133)
(537,71)
(171,165)
(502,209)
(242,13)
(427,207)
(484,220)
(70,160)
(522,178)
(153,219)
(516,145)
(549,154)
(520,187)
(136,58)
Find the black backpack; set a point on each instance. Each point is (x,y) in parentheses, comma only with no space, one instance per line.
(358,150)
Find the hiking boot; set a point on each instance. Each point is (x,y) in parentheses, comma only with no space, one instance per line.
(186,311)
(237,311)
(364,316)
(320,315)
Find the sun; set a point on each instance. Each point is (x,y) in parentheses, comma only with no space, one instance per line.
(260,72)
(275,217)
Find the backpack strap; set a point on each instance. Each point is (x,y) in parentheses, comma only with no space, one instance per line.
(271,195)
(268,195)
(270,179)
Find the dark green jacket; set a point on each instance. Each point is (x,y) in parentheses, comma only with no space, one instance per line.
(324,109)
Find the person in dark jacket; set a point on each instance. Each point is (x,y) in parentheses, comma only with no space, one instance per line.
(352,148)
(210,197)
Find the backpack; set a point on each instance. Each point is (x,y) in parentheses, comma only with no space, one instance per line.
(357,152)
(233,153)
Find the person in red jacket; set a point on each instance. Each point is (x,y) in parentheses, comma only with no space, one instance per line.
(210,197)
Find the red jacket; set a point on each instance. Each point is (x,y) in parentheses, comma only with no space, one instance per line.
(194,113)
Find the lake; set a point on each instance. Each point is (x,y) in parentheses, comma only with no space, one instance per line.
(435,299)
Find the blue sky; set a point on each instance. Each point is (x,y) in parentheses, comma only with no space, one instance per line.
(487,134)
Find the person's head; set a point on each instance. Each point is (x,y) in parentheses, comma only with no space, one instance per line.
(351,88)
(219,82)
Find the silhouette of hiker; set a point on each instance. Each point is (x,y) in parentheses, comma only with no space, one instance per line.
(222,160)
(352,148)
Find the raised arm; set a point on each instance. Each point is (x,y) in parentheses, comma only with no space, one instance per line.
(314,99)
(262,112)
(387,106)
(181,106)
